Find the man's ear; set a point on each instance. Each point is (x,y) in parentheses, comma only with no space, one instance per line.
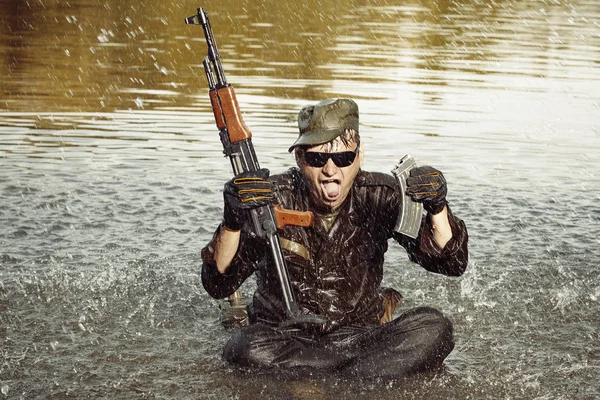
(298,157)
(361,154)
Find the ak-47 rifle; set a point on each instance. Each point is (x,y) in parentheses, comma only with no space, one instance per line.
(237,145)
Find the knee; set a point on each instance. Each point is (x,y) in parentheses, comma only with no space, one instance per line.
(440,332)
(438,321)
(435,326)
(239,348)
(255,345)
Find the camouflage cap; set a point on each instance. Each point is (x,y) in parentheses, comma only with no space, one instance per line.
(325,121)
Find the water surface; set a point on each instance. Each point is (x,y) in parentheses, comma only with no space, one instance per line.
(111,176)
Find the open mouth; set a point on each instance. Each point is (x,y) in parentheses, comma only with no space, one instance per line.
(331,188)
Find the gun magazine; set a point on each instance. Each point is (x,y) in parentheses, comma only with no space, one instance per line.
(409,220)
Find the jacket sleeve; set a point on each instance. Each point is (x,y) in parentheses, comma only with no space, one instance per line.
(245,262)
(452,260)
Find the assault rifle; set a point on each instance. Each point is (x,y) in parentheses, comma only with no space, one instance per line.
(237,145)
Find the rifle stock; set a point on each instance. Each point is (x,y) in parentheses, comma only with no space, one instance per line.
(237,145)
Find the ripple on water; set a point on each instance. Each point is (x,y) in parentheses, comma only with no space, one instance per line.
(106,200)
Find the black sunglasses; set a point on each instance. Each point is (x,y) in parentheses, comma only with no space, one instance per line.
(340,159)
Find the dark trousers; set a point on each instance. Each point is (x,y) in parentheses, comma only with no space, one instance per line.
(416,341)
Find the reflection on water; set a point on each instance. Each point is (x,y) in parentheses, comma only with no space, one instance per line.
(112,170)
(79,56)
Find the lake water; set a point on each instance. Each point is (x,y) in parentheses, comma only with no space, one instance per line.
(111,176)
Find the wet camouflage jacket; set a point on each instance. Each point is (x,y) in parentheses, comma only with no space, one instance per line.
(335,273)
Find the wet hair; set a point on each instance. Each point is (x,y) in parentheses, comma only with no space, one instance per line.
(347,137)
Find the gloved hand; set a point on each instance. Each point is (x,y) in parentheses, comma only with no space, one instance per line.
(427,185)
(244,192)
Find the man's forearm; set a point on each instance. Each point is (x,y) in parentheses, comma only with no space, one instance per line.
(442,232)
(226,246)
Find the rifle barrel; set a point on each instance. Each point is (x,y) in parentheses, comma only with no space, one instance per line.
(209,73)
(213,52)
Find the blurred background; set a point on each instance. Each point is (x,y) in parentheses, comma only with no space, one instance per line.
(111,176)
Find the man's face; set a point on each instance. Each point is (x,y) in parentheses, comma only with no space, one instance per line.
(329,185)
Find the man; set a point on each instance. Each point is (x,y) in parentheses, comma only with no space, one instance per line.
(335,266)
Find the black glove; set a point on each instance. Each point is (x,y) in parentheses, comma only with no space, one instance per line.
(244,192)
(427,185)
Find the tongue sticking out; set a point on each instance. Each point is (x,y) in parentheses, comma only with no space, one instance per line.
(332,189)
